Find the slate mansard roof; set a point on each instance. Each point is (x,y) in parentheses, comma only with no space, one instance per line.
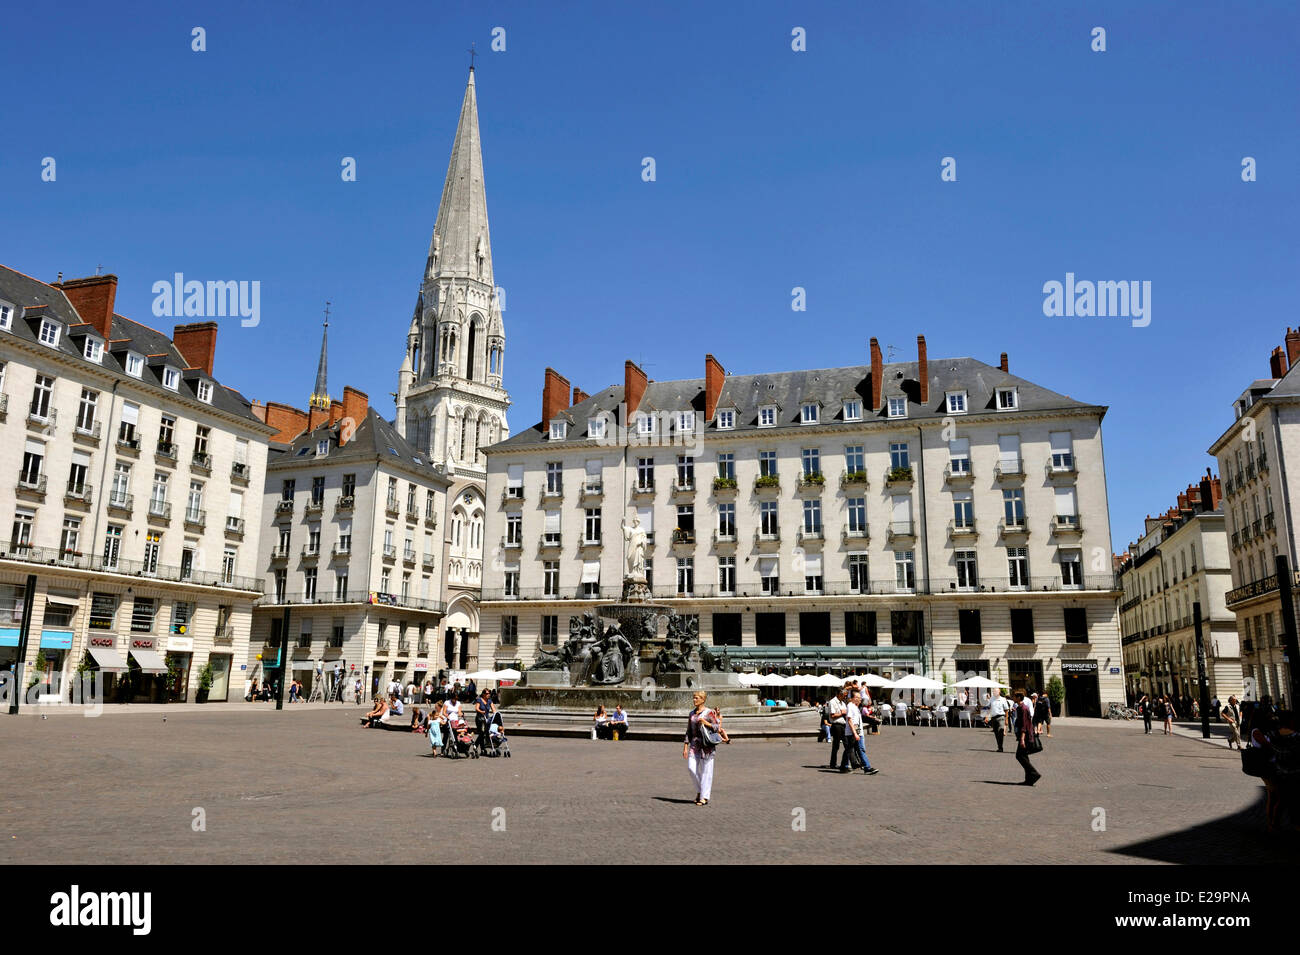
(831,386)
(27,294)
(374,440)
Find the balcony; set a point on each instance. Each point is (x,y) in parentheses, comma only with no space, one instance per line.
(121,502)
(852,479)
(553,492)
(128,445)
(644,488)
(1258,588)
(408,557)
(45,422)
(314,505)
(725,535)
(224,637)
(1250,471)
(391,508)
(78,495)
(1013,529)
(767,482)
(683,535)
(1269,524)
(1245,533)
(812,481)
(284,507)
(201,461)
(390,552)
(592,489)
(165,454)
(88,432)
(382,646)
(239,473)
(1066,524)
(854,535)
(903,531)
(403,647)
(961,531)
(1236,539)
(767,537)
(235,526)
(512,542)
(310,553)
(899,477)
(280,552)
(422,648)
(1009,472)
(549,542)
(512,495)
(960,475)
(430,521)
(341,550)
(725,486)
(1262,463)
(196,518)
(427,560)
(591,541)
(681,486)
(31,485)
(1061,466)
(812,535)
(4,405)
(160,510)
(412,517)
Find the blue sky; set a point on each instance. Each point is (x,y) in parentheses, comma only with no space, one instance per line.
(775,169)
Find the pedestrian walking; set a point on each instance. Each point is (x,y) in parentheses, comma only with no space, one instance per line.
(998,707)
(854,741)
(1231,714)
(1168,714)
(836,707)
(1027,740)
(702,738)
(356,691)
(1145,707)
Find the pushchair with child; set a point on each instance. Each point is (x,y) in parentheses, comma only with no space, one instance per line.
(491,740)
(459,741)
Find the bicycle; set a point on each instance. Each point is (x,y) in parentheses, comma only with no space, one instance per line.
(1118,711)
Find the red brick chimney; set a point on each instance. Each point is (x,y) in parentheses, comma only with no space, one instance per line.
(355,406)
(923,369)
(1003,365)
(316,417)
(634,385)
(1277,363)
(555,396)
(714,378)
(877,374)
(1292,345)
(288,421)
(336,412)
(93,299)
(197,344)
(579,396)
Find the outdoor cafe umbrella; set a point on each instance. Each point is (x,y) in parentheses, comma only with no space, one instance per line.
(873,679)
(509,673)
(914,681)
(980,682)
(830,679)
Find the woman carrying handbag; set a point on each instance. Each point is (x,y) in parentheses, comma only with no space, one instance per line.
(1027,741)
(703,734)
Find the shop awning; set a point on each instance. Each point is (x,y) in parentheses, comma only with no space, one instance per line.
(109,660)
(150,661)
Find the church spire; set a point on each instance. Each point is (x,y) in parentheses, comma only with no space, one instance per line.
(461,245)
(320,395)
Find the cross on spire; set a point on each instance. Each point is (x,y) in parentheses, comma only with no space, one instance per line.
(327,314)
(472,53)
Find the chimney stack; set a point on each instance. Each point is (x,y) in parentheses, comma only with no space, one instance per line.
(714,378)
(356,405)
(555,396)
(336,412)
(93,298)
(579,396)
(923,369)
(1003,364)
(1292,345)
(634,385)
(1277,363)
(877,374)
(197,344)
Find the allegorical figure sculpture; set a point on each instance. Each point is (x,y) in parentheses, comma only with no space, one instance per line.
(634,537)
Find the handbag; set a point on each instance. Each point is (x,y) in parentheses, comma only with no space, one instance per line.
(1254,760)
(1034,745)
(709,736)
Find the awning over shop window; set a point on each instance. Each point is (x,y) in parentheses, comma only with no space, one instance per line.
(150,661)
(108,659)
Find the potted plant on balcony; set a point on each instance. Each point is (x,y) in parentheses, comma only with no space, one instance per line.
(1056,693)
(767,480)
(724,483)
(205,683)
(901,474)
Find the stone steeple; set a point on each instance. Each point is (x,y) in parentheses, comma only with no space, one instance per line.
(320,394)
(451,403)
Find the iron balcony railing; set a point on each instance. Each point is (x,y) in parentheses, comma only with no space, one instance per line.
(131,568)
(370,597)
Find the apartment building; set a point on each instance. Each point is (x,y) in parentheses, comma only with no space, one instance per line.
(133,492)
(1258,456)
(940,515)
(1180,560)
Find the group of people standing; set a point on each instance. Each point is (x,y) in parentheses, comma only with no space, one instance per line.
(843,719)
(1161,708)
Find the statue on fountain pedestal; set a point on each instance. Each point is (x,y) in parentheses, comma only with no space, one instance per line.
(634,538)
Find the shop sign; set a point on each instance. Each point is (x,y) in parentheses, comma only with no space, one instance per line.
(56,639)
(9,636)
(104,643)
(180,644)
(1079,666)
(142,643)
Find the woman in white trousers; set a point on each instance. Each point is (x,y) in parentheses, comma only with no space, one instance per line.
(698,751)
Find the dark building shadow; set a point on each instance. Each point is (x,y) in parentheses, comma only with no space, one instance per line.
(1238,839)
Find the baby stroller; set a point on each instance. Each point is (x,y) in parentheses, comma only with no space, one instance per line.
(459,742)
(493,742)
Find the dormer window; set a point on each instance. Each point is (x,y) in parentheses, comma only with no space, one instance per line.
(898,406)
(49,333)
(645,424)
(322,447)
(596,427)
(6,316)
(956,402)
(93,350)
(767,416)
(204,392)
(171,379)
(810,413)
(686,421)
(1007,399)
(558,430)
(726,420)
(853,410)
(134,364)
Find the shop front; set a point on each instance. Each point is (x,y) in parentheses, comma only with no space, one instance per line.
(219,692)
(51,658)
(147,673)
(180,654)
(1082,693)
(8,647)
(108,662)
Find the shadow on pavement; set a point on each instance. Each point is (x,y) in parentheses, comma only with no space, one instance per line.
(1236,839)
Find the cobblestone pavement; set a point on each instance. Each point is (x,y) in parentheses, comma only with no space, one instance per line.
(308,785)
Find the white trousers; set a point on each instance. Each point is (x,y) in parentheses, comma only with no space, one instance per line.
(701,769)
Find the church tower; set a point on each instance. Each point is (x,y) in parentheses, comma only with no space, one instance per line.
(320,393)
(450,399)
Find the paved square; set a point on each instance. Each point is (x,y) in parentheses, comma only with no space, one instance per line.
(308,785)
